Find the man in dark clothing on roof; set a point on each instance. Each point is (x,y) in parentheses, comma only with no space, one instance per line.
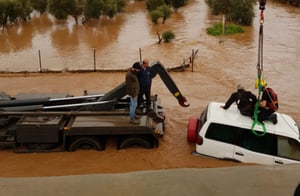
(267,106)
(245,101)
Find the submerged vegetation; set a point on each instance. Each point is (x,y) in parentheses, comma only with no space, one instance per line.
(168,36)
(230,29)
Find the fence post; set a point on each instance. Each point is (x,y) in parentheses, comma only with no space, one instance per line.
(94,59)
(40,61)
(193,60)
(140,55)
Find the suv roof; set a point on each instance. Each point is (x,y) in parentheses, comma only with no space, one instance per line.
(286,126)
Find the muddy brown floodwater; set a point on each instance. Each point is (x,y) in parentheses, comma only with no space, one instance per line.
(221,64)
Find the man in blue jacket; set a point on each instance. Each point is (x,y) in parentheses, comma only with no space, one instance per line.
(145,80)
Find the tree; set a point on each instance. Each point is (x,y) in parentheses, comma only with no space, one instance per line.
(39,5)
(78,10)
(239,11)
(168,36)
(96,8)
(12,10)
(23,7)
(110,8)
(121,4)
(155,15)
(178,3)
(242,12)
(93,9)
(3,14)
(154,4)
(162,8)
(60,9)
(219,6)
(165,12)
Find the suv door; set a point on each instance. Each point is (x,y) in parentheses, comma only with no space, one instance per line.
(255,149)
(219,140)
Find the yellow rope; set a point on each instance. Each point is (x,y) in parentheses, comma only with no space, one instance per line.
(255,120)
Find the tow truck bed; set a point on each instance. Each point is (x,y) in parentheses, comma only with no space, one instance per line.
(109,125)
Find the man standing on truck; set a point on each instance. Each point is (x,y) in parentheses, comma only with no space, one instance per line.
(145,80)
(133,89)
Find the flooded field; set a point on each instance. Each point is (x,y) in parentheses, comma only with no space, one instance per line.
(220,65)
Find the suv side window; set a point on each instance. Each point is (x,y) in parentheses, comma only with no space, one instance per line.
(288,148)
(263,144)
(222,133)
(202,119)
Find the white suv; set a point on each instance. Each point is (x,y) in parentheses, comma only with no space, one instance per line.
(226,134)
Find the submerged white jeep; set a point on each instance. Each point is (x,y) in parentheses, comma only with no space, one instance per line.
(226,134)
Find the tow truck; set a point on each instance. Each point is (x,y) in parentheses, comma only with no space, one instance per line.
(47,122)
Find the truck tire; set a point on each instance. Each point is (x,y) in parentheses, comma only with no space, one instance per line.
(131,141)
(86,143)
(192,129)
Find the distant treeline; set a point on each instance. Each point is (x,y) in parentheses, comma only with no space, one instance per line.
(20,10)
(241,11)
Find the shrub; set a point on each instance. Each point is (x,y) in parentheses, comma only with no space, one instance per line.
(168,36)
(155,15)
(230,29)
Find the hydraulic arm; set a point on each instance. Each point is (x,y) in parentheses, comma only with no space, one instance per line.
(99,102)
(156,68)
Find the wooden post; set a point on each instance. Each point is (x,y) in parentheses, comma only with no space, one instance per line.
(223,23)
(94,59)
(193,53)
(159,38)
(40,61)
(140,50)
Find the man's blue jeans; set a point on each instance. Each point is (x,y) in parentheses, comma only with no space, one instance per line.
(133,104)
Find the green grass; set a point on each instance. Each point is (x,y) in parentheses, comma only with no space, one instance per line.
(231,29)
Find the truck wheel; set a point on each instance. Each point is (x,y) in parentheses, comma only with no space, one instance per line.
(132,141)
(192,129)
(86,143)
